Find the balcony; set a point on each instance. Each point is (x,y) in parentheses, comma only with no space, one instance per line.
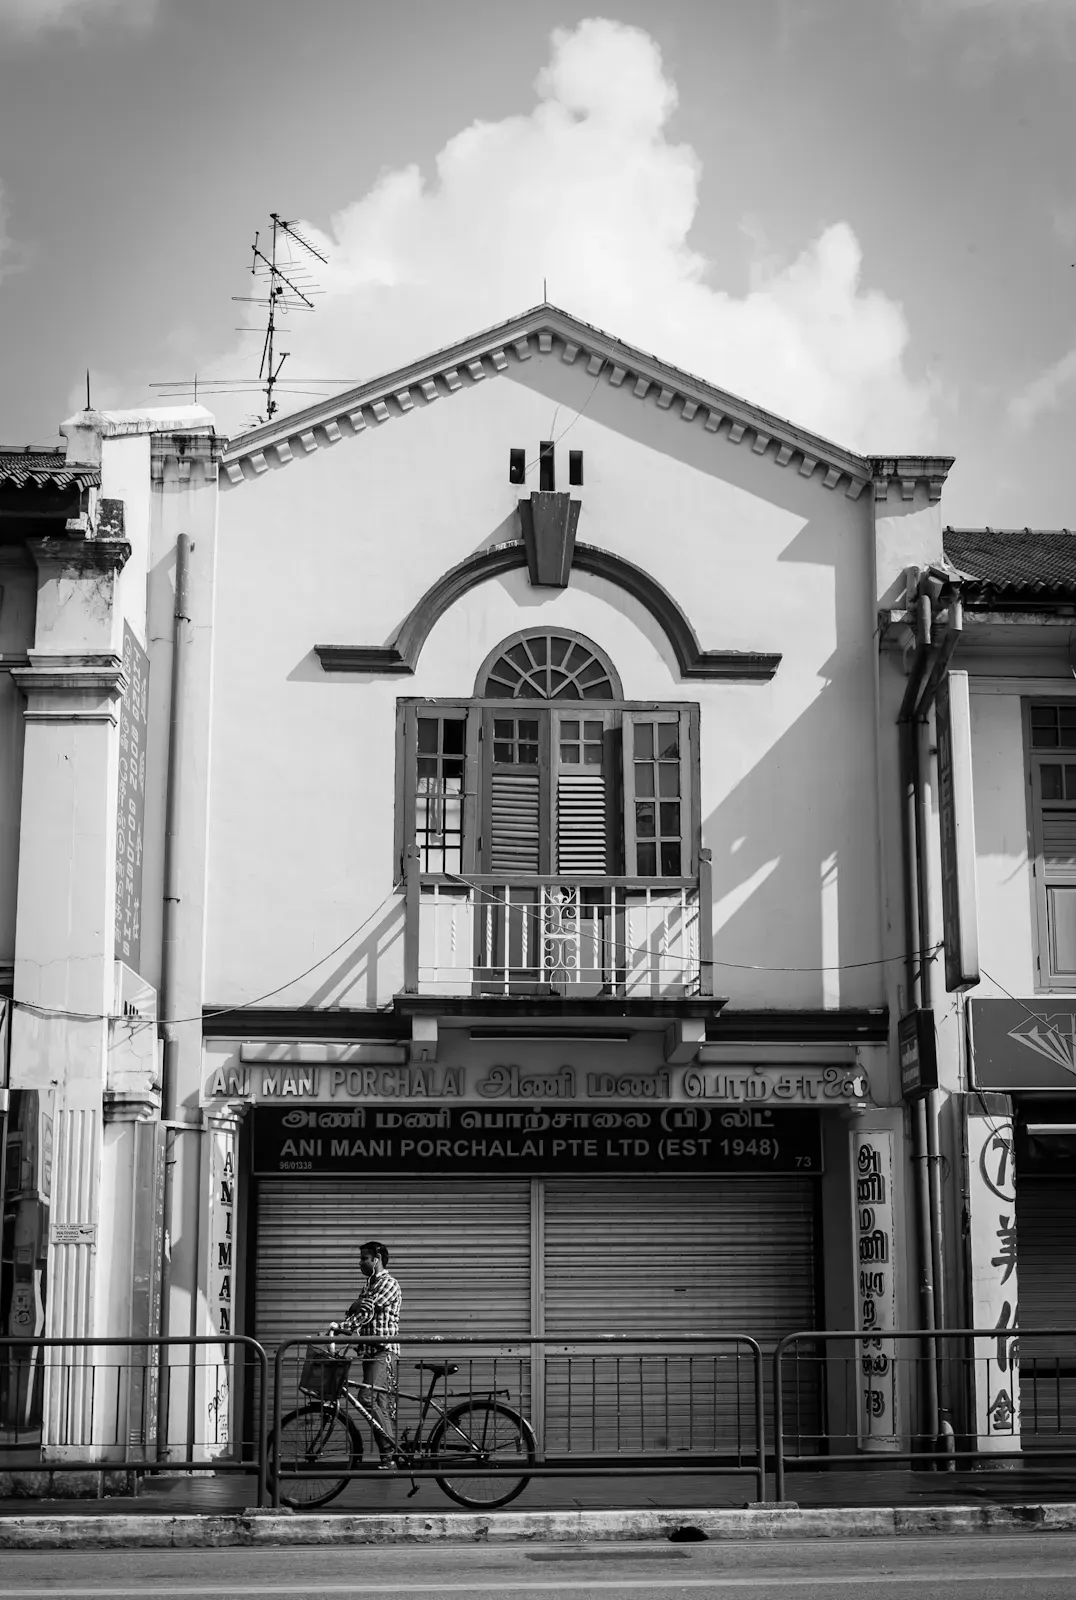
(573,936)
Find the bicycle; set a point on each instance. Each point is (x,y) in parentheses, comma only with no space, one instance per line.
(480,1430)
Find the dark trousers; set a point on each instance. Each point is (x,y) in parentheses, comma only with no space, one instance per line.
(378,1396)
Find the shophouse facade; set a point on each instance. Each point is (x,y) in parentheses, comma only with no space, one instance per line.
(1013,1055)
(523,876)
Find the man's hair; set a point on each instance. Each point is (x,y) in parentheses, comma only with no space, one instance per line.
(374,1247)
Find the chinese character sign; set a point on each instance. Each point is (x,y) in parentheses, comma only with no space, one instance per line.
(992,1211)
(131,805)
(876,1300)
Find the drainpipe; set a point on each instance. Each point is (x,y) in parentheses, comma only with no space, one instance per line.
(170,910)
(915,973)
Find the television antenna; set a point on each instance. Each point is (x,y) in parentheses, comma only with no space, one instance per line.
(284,277)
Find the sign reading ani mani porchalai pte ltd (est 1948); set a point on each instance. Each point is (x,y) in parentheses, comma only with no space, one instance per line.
(465,1139)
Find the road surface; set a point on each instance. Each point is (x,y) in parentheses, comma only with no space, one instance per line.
(1027,1567)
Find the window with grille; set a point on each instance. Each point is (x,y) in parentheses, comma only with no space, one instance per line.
(1053,792)
(548,771)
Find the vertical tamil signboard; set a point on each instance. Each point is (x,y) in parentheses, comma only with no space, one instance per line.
(131,804)
(992,1219)
(876,1297)
(956,825)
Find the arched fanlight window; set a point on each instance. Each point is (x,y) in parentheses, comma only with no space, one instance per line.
(548,664)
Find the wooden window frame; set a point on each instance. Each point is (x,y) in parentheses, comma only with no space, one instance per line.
(1046,979)
(473,710)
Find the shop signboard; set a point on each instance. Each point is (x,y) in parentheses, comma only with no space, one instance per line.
(918,1054)
(131,801)
(956,828)
(992,1220)
(873,1237)
(1022,1045)
(340,1074)
(624,1139)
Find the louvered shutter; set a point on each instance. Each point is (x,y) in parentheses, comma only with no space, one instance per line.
(671,1256)
(1046,1269)
(583,760)
(460,1248)
(515,832)
(1055,796)
(659,761)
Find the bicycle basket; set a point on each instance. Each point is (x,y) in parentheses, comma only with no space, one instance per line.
(324,1373)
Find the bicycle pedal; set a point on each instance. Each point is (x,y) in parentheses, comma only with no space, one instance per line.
(413,1491)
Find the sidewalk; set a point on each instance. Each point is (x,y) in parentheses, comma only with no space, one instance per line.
(228,1494)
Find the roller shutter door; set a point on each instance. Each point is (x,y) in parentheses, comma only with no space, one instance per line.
(1046,1273)
(460,1249)
(670,1256)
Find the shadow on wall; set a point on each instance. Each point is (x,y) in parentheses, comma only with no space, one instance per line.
(795,843)
(371,972)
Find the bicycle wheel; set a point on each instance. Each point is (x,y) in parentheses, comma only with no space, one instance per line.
(483,1433)
(315,1436)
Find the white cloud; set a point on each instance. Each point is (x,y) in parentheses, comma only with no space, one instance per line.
(31,17)
(1045,393)
(588,191)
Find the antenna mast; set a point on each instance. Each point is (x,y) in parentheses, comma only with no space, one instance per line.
(284,292)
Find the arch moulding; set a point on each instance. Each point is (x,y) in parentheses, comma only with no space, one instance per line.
(401,656)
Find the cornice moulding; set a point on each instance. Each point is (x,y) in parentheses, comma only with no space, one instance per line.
(492,352)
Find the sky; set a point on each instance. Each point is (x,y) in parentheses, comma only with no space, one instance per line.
(860,214)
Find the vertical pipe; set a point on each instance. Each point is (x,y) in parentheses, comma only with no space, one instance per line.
(169,924)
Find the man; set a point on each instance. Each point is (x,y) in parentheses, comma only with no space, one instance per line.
(375,1317)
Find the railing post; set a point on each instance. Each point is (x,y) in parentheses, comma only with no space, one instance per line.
(412,905)
(706,923)
(779,1419)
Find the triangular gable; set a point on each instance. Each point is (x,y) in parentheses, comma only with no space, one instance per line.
(544,330)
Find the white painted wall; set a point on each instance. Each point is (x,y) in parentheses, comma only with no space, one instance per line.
(338,547)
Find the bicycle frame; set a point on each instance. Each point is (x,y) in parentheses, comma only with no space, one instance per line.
(414,1449)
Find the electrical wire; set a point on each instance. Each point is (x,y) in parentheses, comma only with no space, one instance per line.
(146,1022)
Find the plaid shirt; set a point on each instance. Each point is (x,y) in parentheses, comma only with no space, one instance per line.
(375,1315)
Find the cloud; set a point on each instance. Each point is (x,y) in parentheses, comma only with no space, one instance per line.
(33,17)
(1045,393)
(588,191)
(994,30)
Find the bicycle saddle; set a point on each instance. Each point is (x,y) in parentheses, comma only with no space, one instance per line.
(443,1369)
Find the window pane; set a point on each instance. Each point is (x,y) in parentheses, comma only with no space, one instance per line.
(1044,727)
(1061,909)
(503,728)
(1051,782)
(644,778)
(427,768)
(668,739)
(670,861)
(1066,716)
(644,740)
(1070,783)
(569,729)
(645,820)
(529,691)
(670,817)
(528,755)
(452,737)
(570,753)
(502,752)
(558,649)
(592,755)
(520,657)
(538,649)
(669,777)
(427,735)
(592,730)
(647,860)
(528,729)
(452,772)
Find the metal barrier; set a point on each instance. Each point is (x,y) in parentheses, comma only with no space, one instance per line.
(607,1404)
(1011,1391)
(114,1415)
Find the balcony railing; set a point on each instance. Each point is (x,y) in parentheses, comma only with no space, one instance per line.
(579,937)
